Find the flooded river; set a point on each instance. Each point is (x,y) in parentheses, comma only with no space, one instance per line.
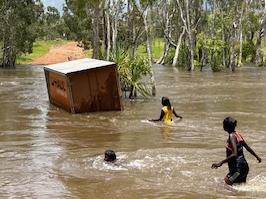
(48,153)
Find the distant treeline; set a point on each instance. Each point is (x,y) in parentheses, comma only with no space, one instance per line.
(196,33)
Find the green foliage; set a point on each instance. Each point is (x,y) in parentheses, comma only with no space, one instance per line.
(213,47)
(157,48)
(52,25)
(183,56)
(132,70)
(170,56)
(78,25)
(18,28)
(249,51)
(158,45)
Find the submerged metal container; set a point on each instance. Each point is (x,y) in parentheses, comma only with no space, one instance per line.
(84,85)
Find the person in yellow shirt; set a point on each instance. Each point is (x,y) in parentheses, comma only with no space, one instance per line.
(166,112)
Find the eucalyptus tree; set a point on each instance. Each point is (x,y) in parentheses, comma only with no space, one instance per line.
(240,22)
(113,14)
(190,13)
(51,24)
(89,11)
(144,7)
(93,9)
(18,22)
(166,11)
(134,28)
(108,28)
(237,11)
(260,9)
(75,28)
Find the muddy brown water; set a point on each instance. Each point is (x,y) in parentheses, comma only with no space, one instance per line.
(48,153)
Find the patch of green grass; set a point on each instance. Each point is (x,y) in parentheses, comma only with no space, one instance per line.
(158,45)
(88,53)
(40,48)
(157,49)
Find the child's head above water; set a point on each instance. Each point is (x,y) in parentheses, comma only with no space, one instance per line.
(229,124)
(166,101)
(109,156)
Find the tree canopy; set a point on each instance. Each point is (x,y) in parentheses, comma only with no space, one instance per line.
(199,33)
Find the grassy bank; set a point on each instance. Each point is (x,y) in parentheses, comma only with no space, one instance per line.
(157,48)
(40,48)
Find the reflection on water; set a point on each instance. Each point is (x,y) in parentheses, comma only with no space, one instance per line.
(48,153)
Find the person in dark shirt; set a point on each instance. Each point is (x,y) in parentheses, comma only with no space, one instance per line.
(237,164)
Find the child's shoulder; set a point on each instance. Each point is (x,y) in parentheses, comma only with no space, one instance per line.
(164,108)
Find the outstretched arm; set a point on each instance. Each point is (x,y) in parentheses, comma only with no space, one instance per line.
(251,151)
(234,153)
(176,114)
(161,117)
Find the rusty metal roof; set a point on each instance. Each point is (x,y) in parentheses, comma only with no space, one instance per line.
(78,65)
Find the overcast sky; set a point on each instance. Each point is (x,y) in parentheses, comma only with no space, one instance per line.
(55,3)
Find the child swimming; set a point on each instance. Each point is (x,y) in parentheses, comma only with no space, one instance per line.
(237,164)
(109,156)
(166,112)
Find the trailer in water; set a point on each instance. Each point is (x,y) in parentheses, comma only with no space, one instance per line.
(84,85)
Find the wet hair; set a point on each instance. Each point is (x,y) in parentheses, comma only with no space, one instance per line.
(166,102)
(109,156)
(229,124)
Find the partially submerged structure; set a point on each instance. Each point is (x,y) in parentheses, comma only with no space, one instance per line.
(84,85)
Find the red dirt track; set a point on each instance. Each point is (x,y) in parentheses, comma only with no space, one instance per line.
(60,53)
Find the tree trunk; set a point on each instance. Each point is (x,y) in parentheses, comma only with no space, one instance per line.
(164,13)
(191,52)
(149,47)
(165,52)
(178,47)
(9,54)
(240,48)
(95,31)
(9,57)
(114,35)
(202,58)
(258,43)
(108,30)
(239,61)
(223,53)
(190,37)
(115,25)
(187,25)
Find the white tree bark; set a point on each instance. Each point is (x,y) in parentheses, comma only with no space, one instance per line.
(164,13)
(241,34)
(115,17)
(259,37)
(187,25)
(108,29)
(165,52)
(149,46)
(178,47)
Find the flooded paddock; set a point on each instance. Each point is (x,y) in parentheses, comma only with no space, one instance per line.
(46,152)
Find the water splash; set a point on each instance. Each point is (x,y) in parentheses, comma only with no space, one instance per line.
(256,184)
(101,165)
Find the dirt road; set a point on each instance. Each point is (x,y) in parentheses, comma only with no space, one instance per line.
(60,53)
